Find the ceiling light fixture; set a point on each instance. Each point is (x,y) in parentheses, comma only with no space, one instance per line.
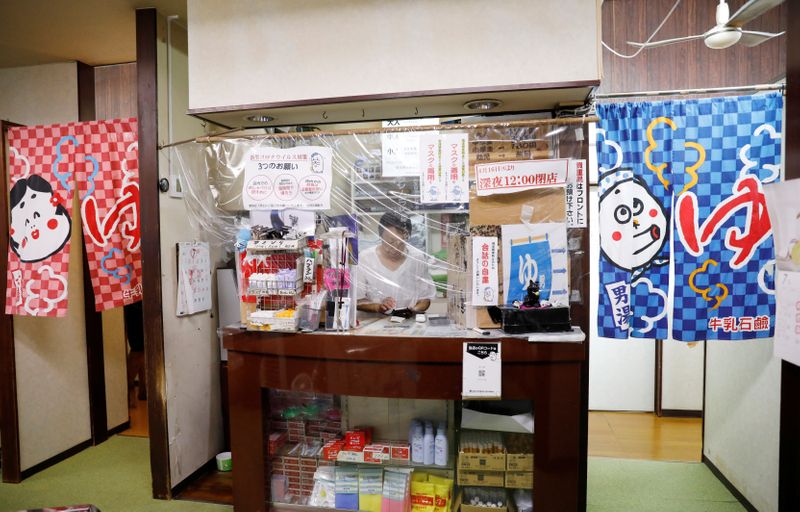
(484,104)
(259,118)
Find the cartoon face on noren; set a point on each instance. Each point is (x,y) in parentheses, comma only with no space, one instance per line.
(40,224)
(633,225)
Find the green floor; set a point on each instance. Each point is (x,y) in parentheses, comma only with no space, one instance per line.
(115,477)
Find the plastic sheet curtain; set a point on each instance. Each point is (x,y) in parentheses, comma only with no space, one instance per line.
(46,164)
(682,212)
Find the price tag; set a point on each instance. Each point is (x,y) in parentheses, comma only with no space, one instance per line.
(482,370)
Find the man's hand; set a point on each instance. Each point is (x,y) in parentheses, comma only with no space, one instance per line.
(388,304)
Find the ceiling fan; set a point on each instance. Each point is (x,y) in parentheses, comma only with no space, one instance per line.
(728,30)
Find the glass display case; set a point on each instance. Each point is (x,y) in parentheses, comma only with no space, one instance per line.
(394,273)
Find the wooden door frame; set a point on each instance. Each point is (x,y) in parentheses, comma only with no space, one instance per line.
(147,114)
(9,414)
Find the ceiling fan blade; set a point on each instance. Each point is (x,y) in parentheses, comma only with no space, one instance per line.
(751,38)
(665,42)
(751,10)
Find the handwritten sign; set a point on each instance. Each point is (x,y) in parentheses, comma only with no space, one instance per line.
(576,194)
(299,177)
(510,177)
(432,180)
(484,271)
(455,152)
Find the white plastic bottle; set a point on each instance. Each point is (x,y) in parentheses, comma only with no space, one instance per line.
(417,444)
(411,429)
(428,443)
(440,446)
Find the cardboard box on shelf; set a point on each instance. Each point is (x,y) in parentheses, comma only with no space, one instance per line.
(519,479)
(482,461)
(376,453)
(481,478)
(400,451)
(519,462)
(331,449)
(350,456)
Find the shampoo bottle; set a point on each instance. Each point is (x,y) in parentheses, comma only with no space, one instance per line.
(417,445)
(440,446)
(428,443)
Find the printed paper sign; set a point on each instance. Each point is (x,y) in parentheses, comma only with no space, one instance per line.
(276,178)
(484,271)
(194,278)
(432,180)
(455,153)
(510,177)
(784,214)
(576,194)
(538,253)
(400,151)
(787,330)
(482,370)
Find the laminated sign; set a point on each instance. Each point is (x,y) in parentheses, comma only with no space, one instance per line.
(482,370)
(299,177)
(510,177)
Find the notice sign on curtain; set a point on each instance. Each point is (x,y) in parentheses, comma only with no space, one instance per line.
(46,164)
(538,253)
(299,177)
(710,159)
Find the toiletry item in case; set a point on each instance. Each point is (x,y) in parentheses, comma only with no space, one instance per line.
(279,488)
(347,488)
(428,444)
(441,498)
(417,446)
(370,489)
(324,492)
(440,446)
(423,497)
(412,426)
(396,491)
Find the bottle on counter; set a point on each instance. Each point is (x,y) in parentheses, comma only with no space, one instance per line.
(428,443)
(440,446)
(417,444)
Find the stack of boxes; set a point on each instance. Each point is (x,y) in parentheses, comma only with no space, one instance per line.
(508,463)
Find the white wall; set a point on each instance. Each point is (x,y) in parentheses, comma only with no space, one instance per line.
(191,347)
(258,51)
(52,377)
(682,376)
(742,421)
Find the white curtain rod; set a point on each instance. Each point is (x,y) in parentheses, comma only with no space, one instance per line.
(688,92)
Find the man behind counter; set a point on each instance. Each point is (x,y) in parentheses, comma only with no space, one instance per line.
(394,278)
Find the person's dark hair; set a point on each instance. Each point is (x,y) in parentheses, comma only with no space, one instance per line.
(39,184)
(394,220)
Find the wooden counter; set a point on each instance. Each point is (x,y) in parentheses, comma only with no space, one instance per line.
(549,374)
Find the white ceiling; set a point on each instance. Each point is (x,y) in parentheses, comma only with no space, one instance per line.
(94,32)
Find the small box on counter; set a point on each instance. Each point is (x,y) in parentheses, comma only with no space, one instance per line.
(519,479)
(276,441)
(357,438)
(400,450)
(376,453)
(519,449)
(519,462)
(331,449)
(481,478)
(350,456)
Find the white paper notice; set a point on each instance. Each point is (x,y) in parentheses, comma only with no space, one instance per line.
(400,151)
(482,370)
(484,271)
(455,153)
(787,312)
(784,213)
(510,177)
(576,194)
(432,181)
(299,177)
(194,278)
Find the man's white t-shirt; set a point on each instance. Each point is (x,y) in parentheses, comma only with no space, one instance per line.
(408,284)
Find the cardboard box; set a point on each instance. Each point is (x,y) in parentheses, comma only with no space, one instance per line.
(482,461)
(331,449)
(519,462)
(481,478)
(357,438)
(546,205)
(519,479)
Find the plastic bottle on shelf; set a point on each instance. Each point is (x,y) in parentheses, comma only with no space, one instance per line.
(412,427)
(428,443)
(440,446)
(417,444)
